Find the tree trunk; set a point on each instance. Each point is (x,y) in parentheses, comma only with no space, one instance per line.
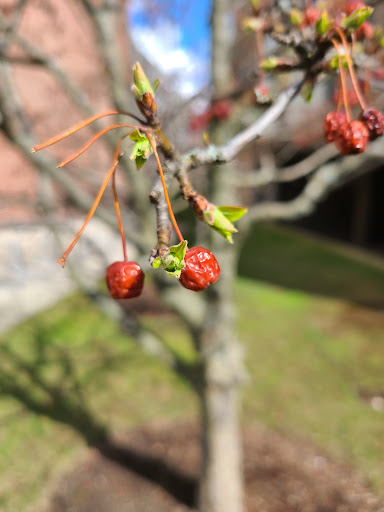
(221,485)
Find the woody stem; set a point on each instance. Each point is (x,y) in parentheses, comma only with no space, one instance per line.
(171,214)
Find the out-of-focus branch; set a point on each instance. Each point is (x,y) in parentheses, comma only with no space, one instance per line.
(105,19)
(35,56)
(76,94)
(38,57)
(228,151)
(266,175)
(18,129)
(322,182)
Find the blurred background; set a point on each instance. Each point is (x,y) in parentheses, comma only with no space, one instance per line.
(309,291)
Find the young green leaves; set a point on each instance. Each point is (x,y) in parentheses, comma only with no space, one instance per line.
(173,260)
(142,148)
(220,218)
(357,18)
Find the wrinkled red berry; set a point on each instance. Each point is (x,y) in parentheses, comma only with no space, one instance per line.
(374,121)
(201,269)
(332,123)
(125,279)
(352,138)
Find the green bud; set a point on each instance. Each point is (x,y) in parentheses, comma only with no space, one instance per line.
(357,18)
(323,24)
(252,23)
(333,62)
(269,64)
(296,16)
(140,82)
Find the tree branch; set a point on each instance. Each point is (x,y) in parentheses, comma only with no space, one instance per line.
(266,175)
(228,151)
(323,181)
(18,130)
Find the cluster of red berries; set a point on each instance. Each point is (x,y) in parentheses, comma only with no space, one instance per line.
(352,137)
(125,279)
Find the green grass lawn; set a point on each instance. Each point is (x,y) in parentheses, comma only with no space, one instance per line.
(308,358)
(292,259)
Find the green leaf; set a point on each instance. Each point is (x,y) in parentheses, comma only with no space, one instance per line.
(357,18)
(323,24)
(232,213)
(173,260)
(156,84)
(157,262)
(142,149)
(219,222)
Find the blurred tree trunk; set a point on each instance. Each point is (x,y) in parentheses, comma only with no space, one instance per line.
(221,486)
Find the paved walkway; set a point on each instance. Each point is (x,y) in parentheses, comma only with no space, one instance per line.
(30,278)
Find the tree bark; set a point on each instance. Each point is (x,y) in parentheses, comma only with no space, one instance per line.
(221,484)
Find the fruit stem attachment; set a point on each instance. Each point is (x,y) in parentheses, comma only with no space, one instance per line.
(171,214)
(118,214)
(116,158)
(351,68)
(339,98)
(79,126)
(343,84)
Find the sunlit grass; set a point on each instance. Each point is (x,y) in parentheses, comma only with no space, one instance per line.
(295,260)
(309,359)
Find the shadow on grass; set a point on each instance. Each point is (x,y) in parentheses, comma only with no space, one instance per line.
(46,381)
(292,259)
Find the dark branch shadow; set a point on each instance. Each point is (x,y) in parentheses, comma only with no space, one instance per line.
(25,376)
(180,485)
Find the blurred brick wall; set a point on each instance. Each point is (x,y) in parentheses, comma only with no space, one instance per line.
(61,29)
